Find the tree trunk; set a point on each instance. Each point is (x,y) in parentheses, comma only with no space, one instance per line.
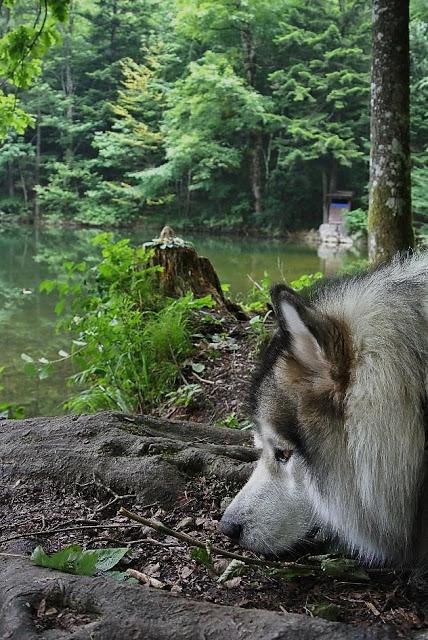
(324,177)
(37,166)
(256,170)
(68,84)
(256,140)
(390,217)
(11,184)
(23,185)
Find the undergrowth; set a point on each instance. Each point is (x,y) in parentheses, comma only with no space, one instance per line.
(128,342)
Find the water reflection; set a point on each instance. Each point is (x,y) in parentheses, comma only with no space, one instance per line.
(27,318)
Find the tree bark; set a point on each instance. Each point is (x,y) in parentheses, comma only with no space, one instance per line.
(103,609)
(38,161)
(68,83)
(123,451)
(390,217)
(10,179)
(256,140)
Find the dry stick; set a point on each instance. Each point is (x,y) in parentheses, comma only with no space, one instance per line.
(161,528)
(202,379)
(194,542)
(48,532)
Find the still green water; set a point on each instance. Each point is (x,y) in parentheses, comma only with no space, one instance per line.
(27,318)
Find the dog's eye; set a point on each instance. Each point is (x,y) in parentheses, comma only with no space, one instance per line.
(283,455)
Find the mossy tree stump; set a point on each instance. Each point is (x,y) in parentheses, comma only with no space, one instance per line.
(184,270)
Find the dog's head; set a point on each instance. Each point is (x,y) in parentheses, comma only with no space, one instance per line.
(321,463)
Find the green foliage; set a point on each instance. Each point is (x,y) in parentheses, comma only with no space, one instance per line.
(325,610)
(343,568)
(10,410)
(306,281)
(356,266)
(186,110)
(75,560)
(356,222)
(129,342)
(232,421)
(185,395)
(202,556)
(23,45)
(258,297)
(234,568)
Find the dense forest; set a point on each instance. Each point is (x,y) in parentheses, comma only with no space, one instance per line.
(221,113)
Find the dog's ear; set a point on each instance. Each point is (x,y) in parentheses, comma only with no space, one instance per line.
(300,326)
(320,347)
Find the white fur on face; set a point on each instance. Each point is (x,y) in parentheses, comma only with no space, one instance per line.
(370,463)
(272,508)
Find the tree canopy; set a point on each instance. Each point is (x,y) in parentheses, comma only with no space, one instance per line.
(201,112)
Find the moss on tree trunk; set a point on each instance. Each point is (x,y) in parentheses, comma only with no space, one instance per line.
(390,217)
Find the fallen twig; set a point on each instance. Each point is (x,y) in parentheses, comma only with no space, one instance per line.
(204,380)
(194,542)
(48,532)
(145,579)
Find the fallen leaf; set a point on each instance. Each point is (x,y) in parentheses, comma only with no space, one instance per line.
(186,572)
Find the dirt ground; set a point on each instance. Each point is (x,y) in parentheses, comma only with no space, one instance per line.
(227,349)
(63,519)
(45,515)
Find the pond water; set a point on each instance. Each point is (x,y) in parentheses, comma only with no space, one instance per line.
(27,318)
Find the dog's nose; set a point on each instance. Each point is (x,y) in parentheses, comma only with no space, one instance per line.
(230,528)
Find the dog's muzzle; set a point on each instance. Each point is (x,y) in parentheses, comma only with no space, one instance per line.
(230,529)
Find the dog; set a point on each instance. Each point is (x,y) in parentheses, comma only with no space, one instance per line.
(339,405)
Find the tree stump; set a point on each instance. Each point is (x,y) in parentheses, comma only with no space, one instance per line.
(184,270)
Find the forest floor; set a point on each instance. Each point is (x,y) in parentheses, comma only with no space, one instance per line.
(56,517)
(389,598)
(227,352)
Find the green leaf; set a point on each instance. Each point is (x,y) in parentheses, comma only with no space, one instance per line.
(325,610)
(47,285)
(59,307)
(108,558)
(203,556)
(74,560)
(233,568)
(63,354)
(26,357)
(45,371)
(30,370)
(288,573)
(344,568)
(121,576)
(198,367)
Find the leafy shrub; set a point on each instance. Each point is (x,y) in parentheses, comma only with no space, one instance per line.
(9,410)
(258,297)
(356,222)
(128,341)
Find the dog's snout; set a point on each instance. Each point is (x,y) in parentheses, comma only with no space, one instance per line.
(230,528)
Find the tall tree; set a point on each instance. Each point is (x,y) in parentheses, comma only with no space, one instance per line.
(322,90)
(26,34)
(390,215)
